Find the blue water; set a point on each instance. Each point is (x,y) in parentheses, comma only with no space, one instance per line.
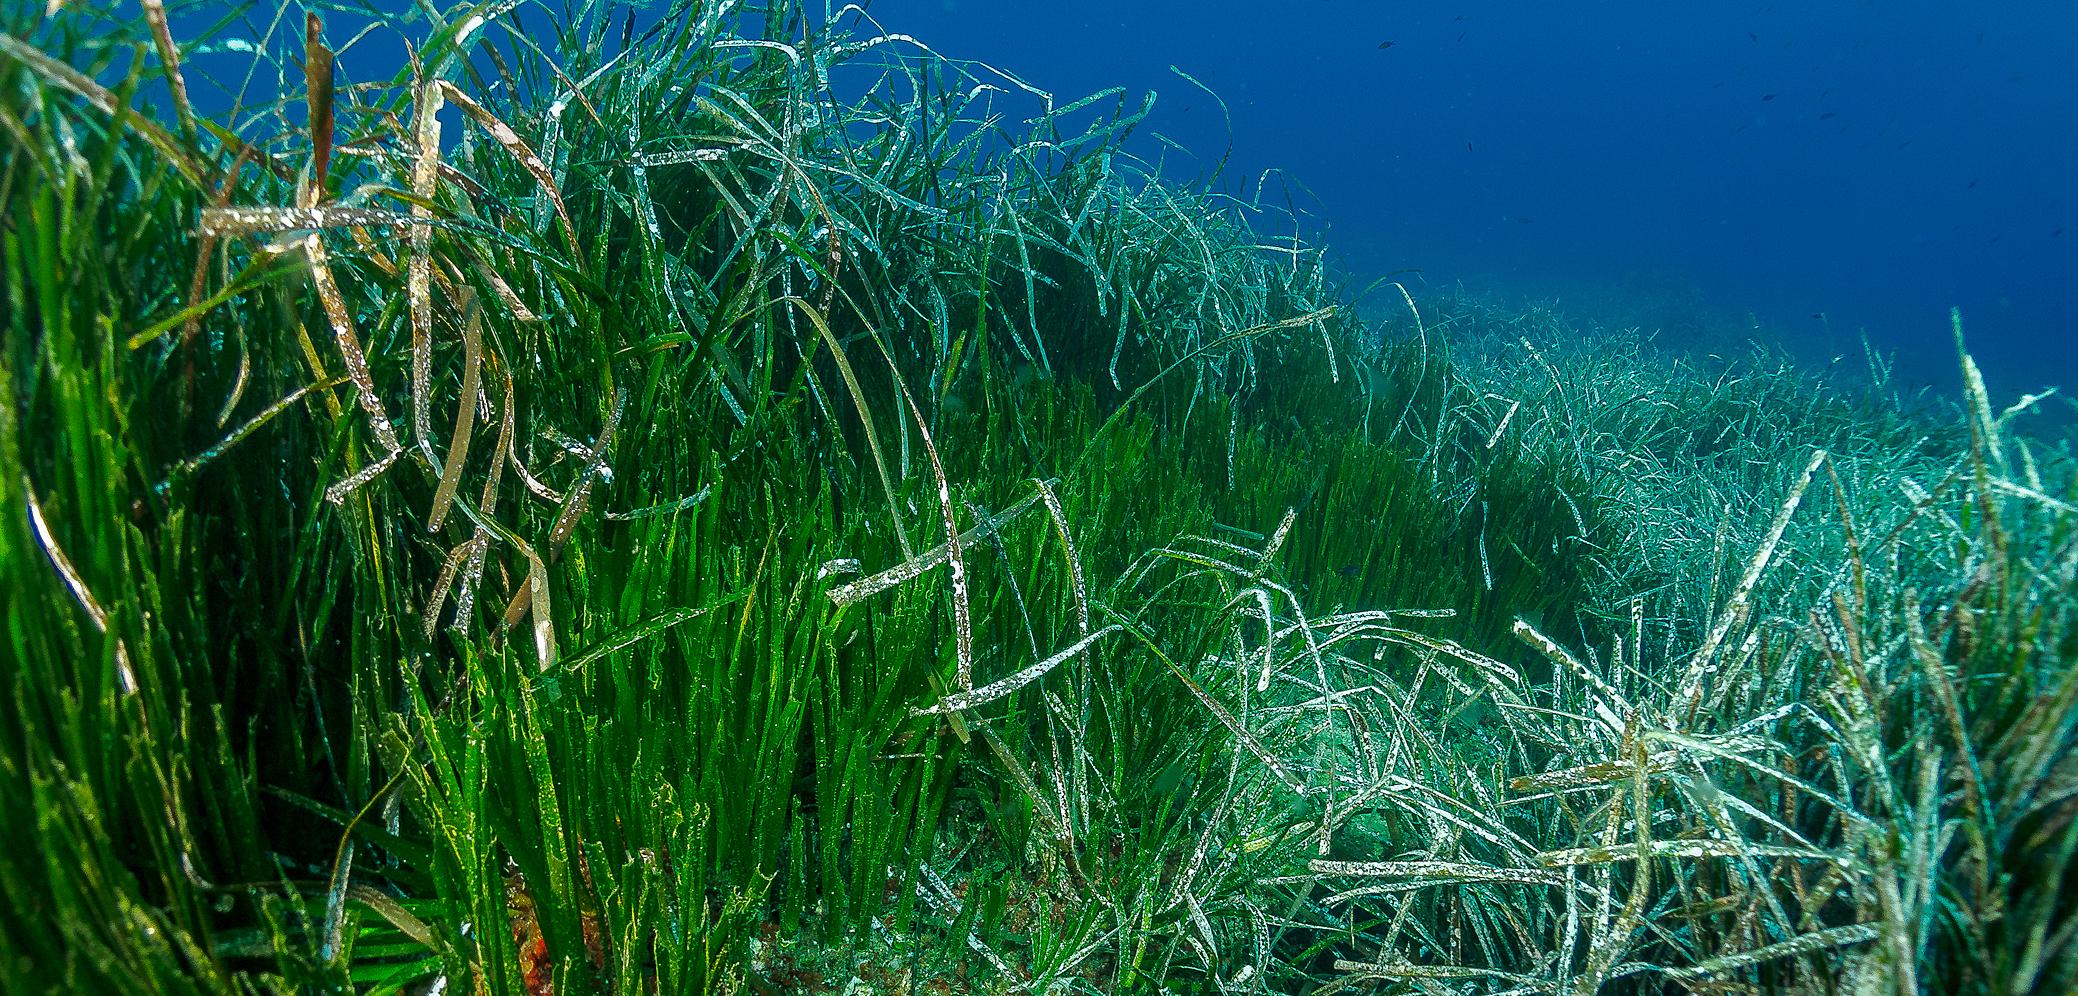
(1876,163)
(1803,173)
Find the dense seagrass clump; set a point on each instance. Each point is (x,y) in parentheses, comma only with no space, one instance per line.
(723,498)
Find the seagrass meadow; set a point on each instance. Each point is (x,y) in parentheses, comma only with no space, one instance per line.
(737,501)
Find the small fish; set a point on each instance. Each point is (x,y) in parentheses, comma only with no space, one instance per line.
(2059,233)
(1468,146)
(1461,35)
(1972,186)
(1753,37)
(1382,46)
(1349,572)
(1767,97)
(1829,115)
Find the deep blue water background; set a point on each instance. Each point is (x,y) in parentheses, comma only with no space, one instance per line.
(1747,166)
(1877,162)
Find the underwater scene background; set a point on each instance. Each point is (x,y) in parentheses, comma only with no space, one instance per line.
(763,496)
(1876,163)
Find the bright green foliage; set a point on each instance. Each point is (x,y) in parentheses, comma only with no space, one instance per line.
(526,561)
